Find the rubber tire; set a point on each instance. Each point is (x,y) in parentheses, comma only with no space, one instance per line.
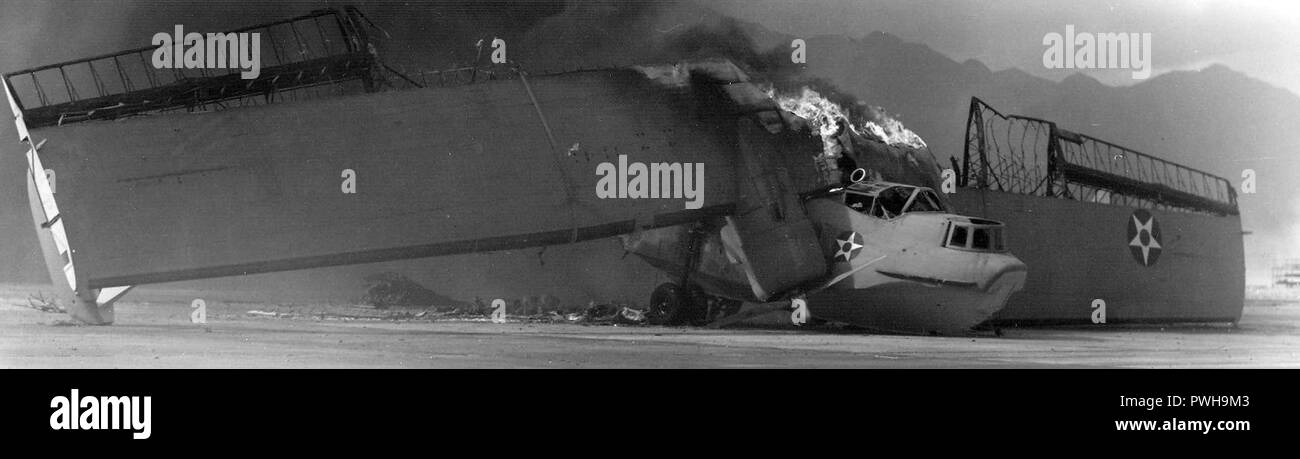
(665,305)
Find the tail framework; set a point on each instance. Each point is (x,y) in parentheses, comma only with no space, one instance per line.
(86,305)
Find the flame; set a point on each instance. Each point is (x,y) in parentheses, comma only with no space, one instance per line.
(829,118)
(678,75)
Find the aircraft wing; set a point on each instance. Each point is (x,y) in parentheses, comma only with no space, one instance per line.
(494,165)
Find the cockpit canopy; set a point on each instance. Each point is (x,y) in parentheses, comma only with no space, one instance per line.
(889,200)
(975,234)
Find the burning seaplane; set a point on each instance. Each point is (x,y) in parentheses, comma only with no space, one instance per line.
(260,174)
(899,260)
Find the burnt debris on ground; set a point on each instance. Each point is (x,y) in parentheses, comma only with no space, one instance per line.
(593,314)
(392,296)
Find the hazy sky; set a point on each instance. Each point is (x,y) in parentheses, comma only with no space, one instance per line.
(1258,37)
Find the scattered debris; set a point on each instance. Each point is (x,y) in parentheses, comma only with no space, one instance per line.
(629,315)
(40,303)
(608,314)
(596,311)
(390,289)
(531,309)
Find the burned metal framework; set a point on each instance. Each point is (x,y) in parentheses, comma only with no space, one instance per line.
(329,47)
(1024,155)
(325,53)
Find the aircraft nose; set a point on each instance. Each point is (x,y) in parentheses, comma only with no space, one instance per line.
(1000,266)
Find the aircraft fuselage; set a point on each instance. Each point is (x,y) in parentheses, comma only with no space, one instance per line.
(913,269)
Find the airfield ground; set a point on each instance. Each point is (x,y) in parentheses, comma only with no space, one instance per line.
(154,330)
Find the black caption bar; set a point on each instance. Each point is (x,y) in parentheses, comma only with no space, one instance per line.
(313,409)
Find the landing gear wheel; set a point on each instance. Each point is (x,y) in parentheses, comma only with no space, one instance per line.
(670,304)
(665,305)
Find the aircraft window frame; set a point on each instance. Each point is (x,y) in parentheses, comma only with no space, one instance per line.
(963,235)
(909,195)
(981,239)
(930,200)
(869,200)
(885,212)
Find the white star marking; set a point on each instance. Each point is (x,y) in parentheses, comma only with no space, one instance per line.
(1137,239)
(846,247)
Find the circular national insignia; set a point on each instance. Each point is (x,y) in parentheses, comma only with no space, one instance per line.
(1144,237)
(847,245)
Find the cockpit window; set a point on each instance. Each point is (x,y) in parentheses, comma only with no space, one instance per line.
(890,202)
(981,239)
(958,237)
(858,202)
(925,201)
(975,234)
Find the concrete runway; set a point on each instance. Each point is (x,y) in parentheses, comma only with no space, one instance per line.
(153,330)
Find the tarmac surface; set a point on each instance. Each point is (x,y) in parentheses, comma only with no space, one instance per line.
(154,330)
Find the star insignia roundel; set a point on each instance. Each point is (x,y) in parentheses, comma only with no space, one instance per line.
(1144,237)
(847,245)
